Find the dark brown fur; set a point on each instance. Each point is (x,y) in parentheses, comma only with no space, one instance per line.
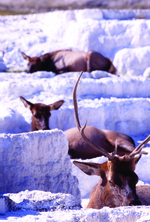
(68,61)
(40,113)
(117,186)
(78,147)
(143,192)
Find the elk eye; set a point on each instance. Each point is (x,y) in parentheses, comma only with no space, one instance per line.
(111,183)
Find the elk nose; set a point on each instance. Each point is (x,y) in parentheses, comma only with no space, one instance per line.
(135,202)
(46,128)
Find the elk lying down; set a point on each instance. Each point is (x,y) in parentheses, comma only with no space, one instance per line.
(68,61)
(79,148)
(41,113)
(143,192)
(117,186)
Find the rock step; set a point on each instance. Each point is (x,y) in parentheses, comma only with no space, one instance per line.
(129,116)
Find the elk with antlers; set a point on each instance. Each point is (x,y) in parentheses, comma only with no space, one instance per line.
(40,113)
(79,148)
(117,186)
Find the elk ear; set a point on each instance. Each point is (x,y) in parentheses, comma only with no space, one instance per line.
(56,105)
(26,103)
(88,168)
(25,56)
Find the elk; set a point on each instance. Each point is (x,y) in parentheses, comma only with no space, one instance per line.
(117,186)
(80,149)
(143,192)
(40,113)
(68,61)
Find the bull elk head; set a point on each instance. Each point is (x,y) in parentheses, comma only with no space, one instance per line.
(117,186)
(40,113)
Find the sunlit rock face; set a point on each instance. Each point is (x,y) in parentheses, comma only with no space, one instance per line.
(39,201)
(37,161)
(2,65)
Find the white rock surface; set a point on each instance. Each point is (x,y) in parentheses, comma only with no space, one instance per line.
(37,161)
(132,61)
(123,214)
(121,35)
(2,65)
(116,103)
(41,201)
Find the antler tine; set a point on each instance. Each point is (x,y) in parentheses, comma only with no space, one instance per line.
(139,147)
(110,156)
(116,146)
(75,103)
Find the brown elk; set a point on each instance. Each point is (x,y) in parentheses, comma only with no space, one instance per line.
(79,148)
(68,61)
(143,192)
(40,113)
(117,186)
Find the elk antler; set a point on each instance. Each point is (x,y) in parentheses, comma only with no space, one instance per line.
(110,156)
(138,149)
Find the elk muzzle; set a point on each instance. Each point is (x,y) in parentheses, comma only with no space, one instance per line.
(41,123)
